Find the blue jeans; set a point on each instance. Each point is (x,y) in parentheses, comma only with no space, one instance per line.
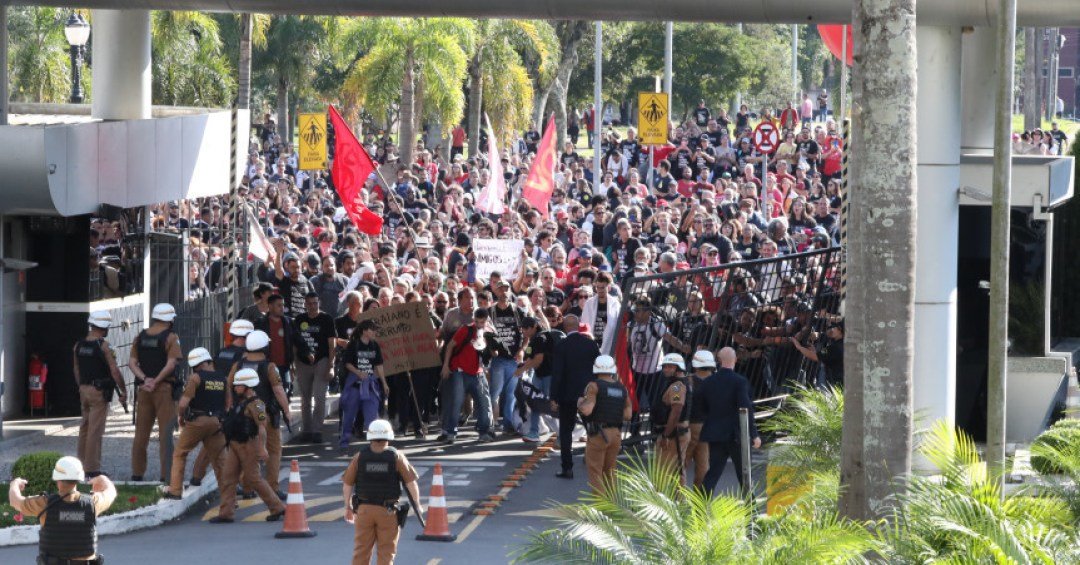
(476,386)
(503,384)
(544,384)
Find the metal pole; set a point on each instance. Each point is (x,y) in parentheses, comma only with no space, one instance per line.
(795,63)
(738,95)
(3,66)
(744,449)
(1055,64)
(765,187)
(669,33)
(598,114)
(841,104)
(999,245)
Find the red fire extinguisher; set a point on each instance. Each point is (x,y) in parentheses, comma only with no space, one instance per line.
(39,374)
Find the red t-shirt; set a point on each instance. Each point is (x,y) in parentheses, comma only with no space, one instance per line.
(457,138)
(277,342)
(467,358)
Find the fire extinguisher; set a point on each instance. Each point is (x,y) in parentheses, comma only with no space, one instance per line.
(39,374)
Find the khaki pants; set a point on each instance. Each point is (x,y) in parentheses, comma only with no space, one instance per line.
(313,381)
(600,456)
(95,411)
(205,430)
(273,462)
(243,459)
(375,527)
(697,452)
(198,468)
(667,450)
(154,406)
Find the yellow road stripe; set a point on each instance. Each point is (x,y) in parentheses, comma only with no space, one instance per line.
(313,503)
(243,504)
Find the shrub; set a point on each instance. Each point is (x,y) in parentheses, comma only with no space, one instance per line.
(37,469)
(1062,434)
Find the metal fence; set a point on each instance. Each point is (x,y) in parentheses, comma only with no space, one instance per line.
(756,307)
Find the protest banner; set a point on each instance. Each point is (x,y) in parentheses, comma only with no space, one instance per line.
(502,255)
(406,336)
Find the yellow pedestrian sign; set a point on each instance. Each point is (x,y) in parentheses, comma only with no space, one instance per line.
(312,128)
(653,120)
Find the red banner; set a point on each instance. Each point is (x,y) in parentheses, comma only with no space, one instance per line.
(541,180)
(351,169)
(622,360)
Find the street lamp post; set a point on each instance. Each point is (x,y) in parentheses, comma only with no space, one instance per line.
(77,32)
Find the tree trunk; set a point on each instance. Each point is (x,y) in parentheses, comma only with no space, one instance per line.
(1031,80)
(418,111)
(243,81)
(406,133)
(476,98)
(283,110)
(540,98)
(1040,84)
(877,436)
(570,34)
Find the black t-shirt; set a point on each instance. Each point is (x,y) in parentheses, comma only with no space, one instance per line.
(344,326)
(554,297)
(507,327)
(666,187)
(810,147)
(540,344)
(630,150)
(680,160)
(315,333)
(364,356)
(701,116)
(623,255)
(569,158)
(294,293)
(601,321)
(532,137)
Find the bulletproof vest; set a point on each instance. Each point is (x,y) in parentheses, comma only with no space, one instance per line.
(610,400)
(70,528)
(210,395)
(228,357)
(237,426)
(92,365)
(377,479)
(263,390)
(154,352)
(697,400)
(661,411)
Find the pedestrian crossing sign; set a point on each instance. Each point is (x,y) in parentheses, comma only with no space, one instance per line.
(312,147)
(653,119)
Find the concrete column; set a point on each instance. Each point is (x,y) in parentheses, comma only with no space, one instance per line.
(122,71)
(3,66)
(979,74)
(938,219)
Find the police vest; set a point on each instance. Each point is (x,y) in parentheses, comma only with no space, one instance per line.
(610,401)
(209,399)
(661,411)
(697,400)
(70,528)
(238,426)
(263,390)
(377,479)
(154,353)
(93,368)
(228,357)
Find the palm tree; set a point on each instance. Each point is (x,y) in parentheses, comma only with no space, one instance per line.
(646,516)
(252,32)
(498,80)
(880,337)
(190,67)
(401,56)
(810,428)
(39,56)
(292,45)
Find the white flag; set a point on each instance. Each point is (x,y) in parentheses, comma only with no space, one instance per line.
(491,198)
(259,245)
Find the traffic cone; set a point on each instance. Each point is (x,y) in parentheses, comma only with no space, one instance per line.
(296,525)
(438,522)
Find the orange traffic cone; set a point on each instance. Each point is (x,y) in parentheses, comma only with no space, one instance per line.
(296,525)
(438,522)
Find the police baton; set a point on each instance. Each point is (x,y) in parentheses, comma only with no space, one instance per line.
(415,506)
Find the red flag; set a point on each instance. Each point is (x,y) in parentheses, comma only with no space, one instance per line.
(622,360)
(351,169)
(541,181)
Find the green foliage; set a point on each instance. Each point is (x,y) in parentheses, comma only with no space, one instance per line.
(189,66)
(1050,451)
(501,50)
(37,469)
(646,516)
(39,63)
(809,429)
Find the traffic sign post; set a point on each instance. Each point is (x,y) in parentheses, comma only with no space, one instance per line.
(766,140)
(653,120)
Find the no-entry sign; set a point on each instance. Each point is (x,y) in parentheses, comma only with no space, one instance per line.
(766,137)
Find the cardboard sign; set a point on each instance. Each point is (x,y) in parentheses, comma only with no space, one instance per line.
(312,148)
(653,120)
(503,255)
(406,337)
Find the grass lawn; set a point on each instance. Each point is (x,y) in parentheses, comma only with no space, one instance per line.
(127,498)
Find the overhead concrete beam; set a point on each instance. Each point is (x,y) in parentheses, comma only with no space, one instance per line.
(1061,13)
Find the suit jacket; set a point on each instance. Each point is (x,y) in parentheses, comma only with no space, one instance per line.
(723,394)
(571,367)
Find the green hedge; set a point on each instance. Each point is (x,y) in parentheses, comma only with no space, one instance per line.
(1062,433)
(37,469)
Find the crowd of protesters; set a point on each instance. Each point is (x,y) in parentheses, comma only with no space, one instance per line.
(688,212)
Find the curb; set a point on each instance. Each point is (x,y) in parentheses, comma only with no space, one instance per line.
(492,502)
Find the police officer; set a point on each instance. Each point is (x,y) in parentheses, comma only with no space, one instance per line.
(201,407)
(223,364)
(605,407)
(377,473)
(697,451)
(245,428)
(672,414)
(154,356)
(272,394)
(68,518)
(98,377)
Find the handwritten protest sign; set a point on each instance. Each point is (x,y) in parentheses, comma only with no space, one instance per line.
(503,255)
(406,337)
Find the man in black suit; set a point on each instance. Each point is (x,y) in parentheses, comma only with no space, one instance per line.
(571,370)
(724,393)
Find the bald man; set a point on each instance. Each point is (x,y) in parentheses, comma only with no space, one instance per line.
(723,394)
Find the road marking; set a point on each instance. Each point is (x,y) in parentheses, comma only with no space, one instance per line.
(542,513)
(242,504)
(435,561)
(261,516)
(417,462)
